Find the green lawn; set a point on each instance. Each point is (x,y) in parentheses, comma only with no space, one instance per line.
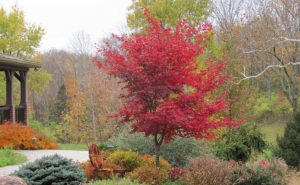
(271,131)
(73,146)
(10,157)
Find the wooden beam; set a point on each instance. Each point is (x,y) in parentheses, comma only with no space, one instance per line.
(9,75)
(18,77)
(9,86)
(4,68)
(23,102)
(23,80)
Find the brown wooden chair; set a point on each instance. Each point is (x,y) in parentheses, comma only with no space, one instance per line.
(97,160)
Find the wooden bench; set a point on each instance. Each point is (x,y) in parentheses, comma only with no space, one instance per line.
(97,160)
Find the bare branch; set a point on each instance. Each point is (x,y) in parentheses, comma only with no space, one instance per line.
(289,39)
(282,40)
(265,70)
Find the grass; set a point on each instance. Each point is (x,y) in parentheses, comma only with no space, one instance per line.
(82,147)
(10,157)
(271,132)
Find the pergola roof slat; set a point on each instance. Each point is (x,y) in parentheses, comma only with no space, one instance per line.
(9,61)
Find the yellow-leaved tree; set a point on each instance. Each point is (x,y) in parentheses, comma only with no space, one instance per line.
(74,127)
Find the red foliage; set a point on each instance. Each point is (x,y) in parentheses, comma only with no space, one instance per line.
(175,173)
(169,93)
(16,136)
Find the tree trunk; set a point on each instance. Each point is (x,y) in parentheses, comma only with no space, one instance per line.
(158,142)
(295,106)
(157,154)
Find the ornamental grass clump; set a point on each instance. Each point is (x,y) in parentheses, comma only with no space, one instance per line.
(51,170)
(207,171)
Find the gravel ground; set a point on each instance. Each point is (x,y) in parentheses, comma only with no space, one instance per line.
(32,155)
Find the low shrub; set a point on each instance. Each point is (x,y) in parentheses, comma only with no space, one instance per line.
(115,181)
(267,172)
(128,160)
(289,144)
(176,152)
(149,175)
(18,137)
(207,171)
(51,170)
(149,160)
(10,157)
(175,173)
(238,144)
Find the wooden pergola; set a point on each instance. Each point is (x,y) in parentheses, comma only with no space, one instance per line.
(15,68)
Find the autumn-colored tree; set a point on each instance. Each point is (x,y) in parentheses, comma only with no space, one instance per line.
(73,127)
(168,91)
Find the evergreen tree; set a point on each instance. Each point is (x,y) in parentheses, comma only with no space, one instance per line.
(289,144)
(60,105)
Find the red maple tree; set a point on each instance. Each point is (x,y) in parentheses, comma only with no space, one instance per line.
(168,94)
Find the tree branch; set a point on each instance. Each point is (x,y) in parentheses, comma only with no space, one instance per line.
(265,70)
(285,39)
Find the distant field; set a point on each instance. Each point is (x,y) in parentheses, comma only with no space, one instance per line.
(73,146)
(271,131)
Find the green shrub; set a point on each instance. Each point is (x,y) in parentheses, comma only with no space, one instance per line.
(266,172)
(51,170)
(106,147)
(207,171)
(149,175)
(48,129)
(10,157)
(238,144)
(289,144)
(115,181)
(126,159)
(176,152)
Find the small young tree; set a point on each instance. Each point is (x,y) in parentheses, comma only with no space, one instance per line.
(169,93)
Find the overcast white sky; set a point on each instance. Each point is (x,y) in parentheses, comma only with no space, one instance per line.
(62,19)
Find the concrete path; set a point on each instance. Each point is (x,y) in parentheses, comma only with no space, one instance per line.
(32,155)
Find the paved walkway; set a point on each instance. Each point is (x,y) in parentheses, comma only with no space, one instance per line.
(32,155)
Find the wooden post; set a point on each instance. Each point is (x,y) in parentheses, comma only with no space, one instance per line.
(9,75)
(23,102)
